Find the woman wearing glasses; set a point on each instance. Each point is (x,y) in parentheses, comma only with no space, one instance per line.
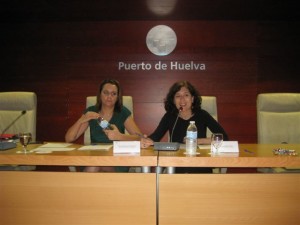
(109,107)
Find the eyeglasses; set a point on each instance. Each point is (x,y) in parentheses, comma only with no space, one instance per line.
(107,93)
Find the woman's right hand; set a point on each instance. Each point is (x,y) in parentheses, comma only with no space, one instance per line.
(80,126)
(89,116)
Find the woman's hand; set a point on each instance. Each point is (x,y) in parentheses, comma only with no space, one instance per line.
(113,134)
(89,116)
(80,126)
(146,142)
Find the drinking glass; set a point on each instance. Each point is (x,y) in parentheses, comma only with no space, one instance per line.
(216,142)
(25,139)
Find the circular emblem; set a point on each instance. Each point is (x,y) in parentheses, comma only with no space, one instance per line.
(161,40)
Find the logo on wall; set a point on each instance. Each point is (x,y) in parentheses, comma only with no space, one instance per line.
(161,40)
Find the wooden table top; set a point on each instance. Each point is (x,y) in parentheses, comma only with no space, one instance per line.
(250,155)
(76,157)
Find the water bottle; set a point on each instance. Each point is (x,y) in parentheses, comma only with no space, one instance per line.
(191,139)
(104,123)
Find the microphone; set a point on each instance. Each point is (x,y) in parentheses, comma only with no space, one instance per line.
(8,145)
(179,110)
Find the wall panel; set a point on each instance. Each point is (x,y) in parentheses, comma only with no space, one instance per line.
(63,62)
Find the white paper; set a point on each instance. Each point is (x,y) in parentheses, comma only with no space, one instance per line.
(50,150)
(52,147)
(126,147)
(95,147)
(227,147)
(55,145)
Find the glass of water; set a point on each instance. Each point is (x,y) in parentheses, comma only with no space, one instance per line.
(25,138)
(216,142)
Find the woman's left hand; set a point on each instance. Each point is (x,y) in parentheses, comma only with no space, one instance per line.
(146,142)
(113,134)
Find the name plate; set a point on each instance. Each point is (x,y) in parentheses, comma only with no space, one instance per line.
(126,147)
(227,147)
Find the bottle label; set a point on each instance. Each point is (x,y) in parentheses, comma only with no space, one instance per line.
(191,146)
(104,124)
(191,134)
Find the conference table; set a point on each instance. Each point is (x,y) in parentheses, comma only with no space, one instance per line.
(53,197)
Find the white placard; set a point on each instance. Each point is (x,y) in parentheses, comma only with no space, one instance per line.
(227,146)
(126,147)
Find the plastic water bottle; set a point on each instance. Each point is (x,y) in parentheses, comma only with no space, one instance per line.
(191,139)
(104,123)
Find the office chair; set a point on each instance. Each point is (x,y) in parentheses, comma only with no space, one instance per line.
(278,121)
(12,104)
(209,104)
(18,114)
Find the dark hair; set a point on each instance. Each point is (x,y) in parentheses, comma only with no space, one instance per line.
(169,101)
(119,103)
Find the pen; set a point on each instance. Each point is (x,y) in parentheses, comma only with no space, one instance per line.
(246,150)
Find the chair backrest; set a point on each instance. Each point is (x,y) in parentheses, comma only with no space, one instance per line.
(278,118)
(91,100)
(209,104)
(11,106)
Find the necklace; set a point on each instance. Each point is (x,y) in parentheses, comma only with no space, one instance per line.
(106,116)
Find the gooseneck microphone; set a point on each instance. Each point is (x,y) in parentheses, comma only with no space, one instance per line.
(7,145)
(179,110)
(13,122)
(169,146)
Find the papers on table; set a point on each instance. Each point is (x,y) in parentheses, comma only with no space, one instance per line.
(95,147)
(55,145)
(63,147)
(51,147)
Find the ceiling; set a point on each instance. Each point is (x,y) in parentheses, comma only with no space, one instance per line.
(99,10)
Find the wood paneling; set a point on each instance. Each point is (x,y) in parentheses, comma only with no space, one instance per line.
(63,62)
(77,198)
(230,199)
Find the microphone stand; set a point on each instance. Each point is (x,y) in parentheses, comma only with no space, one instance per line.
(171,136)
(8,144)
(171,169)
